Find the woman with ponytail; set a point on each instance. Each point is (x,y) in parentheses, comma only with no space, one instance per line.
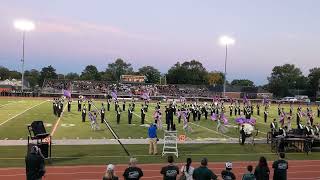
(187,171)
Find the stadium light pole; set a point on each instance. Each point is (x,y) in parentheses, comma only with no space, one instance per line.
(24,26)
(225,41)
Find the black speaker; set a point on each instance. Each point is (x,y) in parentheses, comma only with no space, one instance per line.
(38,128)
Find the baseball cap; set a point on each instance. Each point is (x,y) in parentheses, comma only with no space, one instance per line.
(229,165)
(110,167)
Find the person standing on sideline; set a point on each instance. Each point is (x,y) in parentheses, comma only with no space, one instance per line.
(152,135)
(84,113)
(132,172)
(187,170)
(249,175)
(203,172)
(280,167)
(318,109)
(35,166)
(109,175)
(171,171)
(262,171)
(227,174)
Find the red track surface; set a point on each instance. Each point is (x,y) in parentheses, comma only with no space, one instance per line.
(304,170)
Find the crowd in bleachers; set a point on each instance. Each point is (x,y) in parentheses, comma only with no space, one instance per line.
(187,172)
(56,85)
(98,87)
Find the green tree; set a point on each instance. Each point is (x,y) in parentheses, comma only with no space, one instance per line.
(47,73)
(242,82)
(284,78)
(215,78)
(116,69)
(32,77)
(314,81)
(14,75)
(72,76)
(191,72)
(152,74)
(4,73)
(90,73)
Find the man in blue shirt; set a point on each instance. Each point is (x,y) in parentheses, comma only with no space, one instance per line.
(152,135)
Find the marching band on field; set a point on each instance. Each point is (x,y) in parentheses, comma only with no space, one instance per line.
(197,110)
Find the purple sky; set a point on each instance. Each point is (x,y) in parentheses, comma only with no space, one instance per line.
(70,34)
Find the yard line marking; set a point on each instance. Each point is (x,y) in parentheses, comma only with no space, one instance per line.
(22,112)
(57,122)
(210,130)
(3,105)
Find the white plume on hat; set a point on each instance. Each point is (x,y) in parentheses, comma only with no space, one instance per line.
(110,167)
(229,165)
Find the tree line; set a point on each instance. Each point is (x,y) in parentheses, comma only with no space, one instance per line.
(284,80)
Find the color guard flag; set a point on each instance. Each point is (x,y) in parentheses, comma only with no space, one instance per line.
(67,93)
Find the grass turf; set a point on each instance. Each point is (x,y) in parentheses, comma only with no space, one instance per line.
(71,127)
(13,156)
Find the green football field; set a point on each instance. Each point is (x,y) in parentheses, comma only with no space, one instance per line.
(17,113)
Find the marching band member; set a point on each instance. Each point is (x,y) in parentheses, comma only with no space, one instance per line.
(124,105)
(130,114)
(298,117)
(102,113)
(300,129)
(243,135)
(79,104)
(108,104)
(318,110)
(84,113)
(89,105)
(118,115)
(179,115)
(274,127)
(143,114)
(265,113)
(316,130)
(230,109)
(291,109)
(307,129)
(279,109)
(258,109)
(310,117)
(283,131)
(289,122)
(69,105)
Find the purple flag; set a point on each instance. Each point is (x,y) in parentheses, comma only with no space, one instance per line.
(145,96)
(67,93)
(114,95)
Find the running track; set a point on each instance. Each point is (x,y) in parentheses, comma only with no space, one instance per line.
(298,170)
